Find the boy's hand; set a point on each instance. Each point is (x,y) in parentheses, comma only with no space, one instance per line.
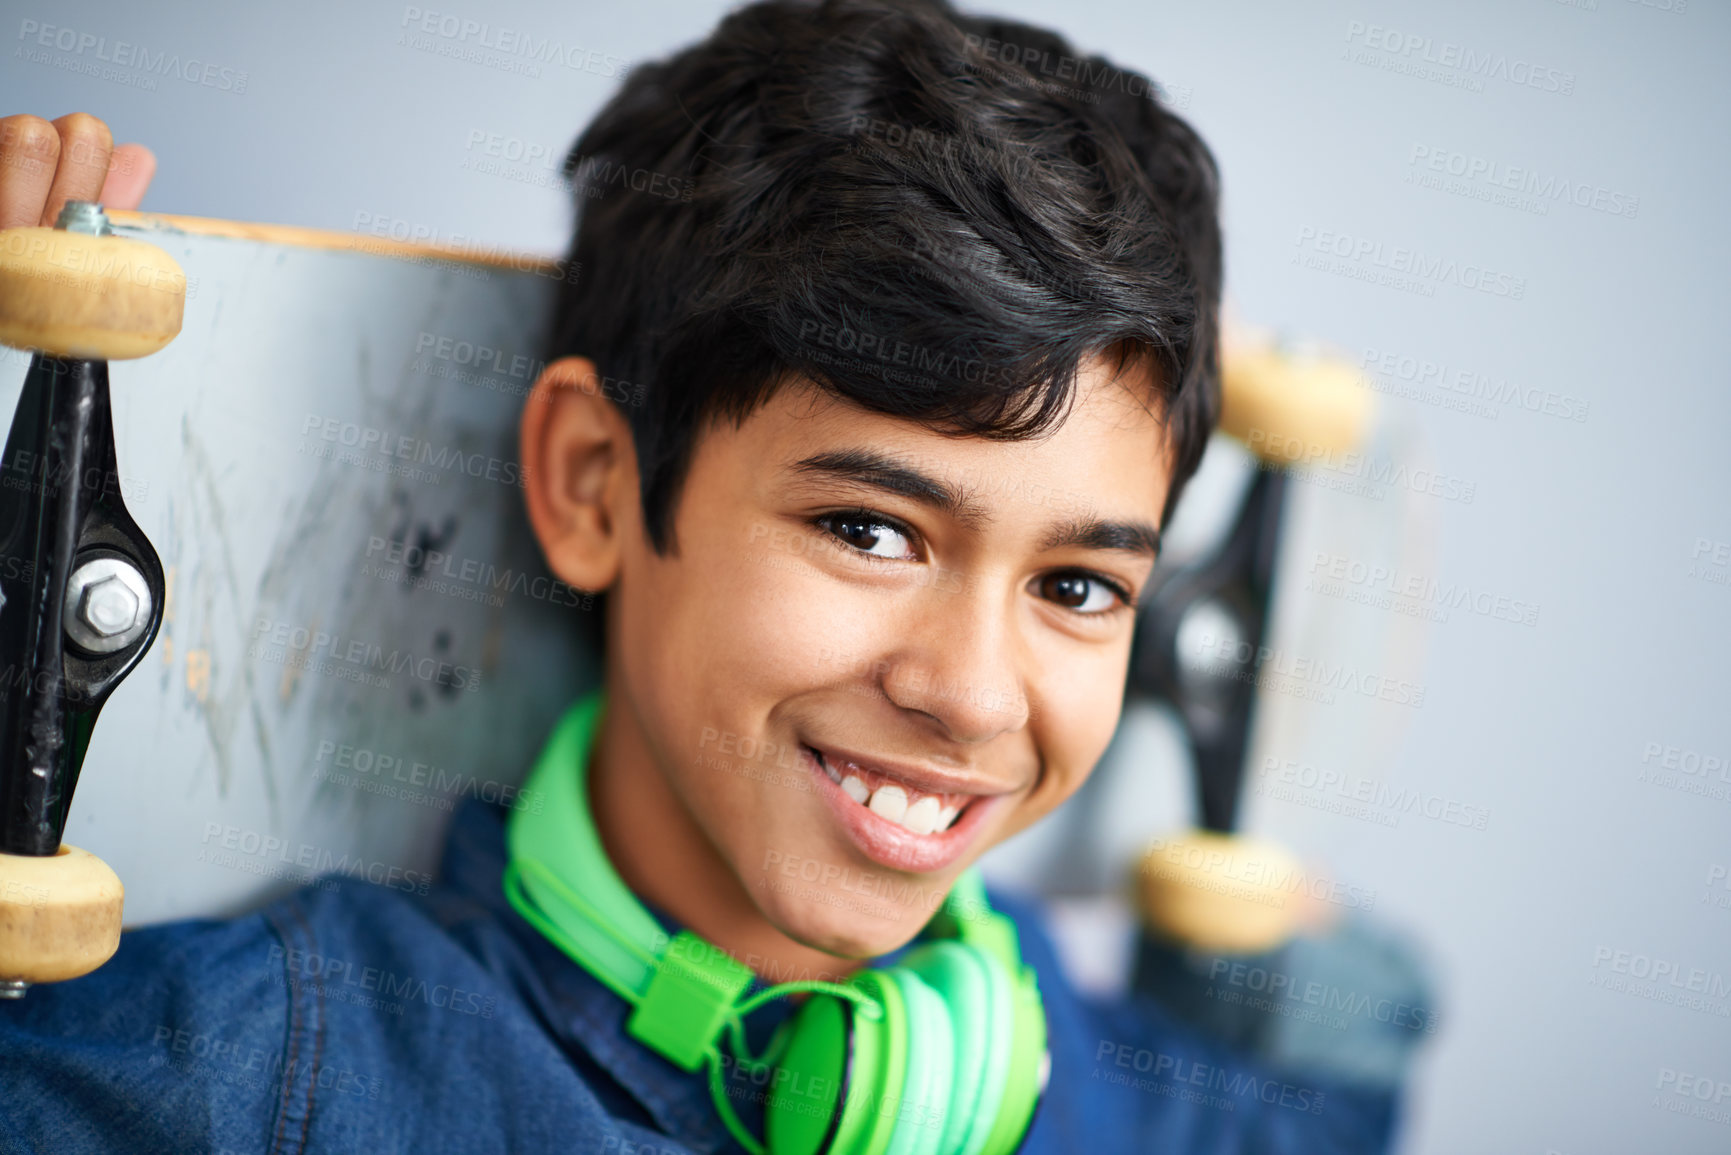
(44,164)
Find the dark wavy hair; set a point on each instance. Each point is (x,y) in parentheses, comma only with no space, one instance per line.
(937,216)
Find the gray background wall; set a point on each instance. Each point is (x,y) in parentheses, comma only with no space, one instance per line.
(345,121)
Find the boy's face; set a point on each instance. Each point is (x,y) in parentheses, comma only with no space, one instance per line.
(878,650)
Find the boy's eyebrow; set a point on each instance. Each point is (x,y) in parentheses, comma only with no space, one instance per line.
(882,471)
(1092,533)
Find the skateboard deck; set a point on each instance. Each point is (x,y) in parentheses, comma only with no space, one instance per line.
(359,631)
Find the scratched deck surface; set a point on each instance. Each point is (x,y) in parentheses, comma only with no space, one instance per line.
(359,631)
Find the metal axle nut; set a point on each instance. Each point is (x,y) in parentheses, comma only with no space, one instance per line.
(107,605)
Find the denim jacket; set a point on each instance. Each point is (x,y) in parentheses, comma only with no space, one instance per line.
(350,1017)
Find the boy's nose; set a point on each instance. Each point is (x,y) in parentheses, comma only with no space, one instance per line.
(961,663)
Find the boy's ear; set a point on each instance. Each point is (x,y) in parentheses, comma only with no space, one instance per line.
(580,473)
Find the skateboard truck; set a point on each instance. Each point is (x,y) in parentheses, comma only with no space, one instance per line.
(81,589)
(1196,646)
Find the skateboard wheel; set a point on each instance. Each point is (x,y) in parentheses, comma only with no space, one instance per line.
(59,915)
(97,298)
(1291,410)
(1220,892)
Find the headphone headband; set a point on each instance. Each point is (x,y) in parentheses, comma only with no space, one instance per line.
(617,939)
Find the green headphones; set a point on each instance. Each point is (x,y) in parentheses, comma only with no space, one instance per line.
(942,1054)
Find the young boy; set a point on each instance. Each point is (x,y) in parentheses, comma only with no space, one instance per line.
(928,339)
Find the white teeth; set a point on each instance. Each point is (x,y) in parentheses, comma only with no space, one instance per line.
(922,816)
(926,815)
(889,802)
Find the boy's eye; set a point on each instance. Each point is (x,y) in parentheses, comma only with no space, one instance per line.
(870,535)
(874,535)
(1083,592)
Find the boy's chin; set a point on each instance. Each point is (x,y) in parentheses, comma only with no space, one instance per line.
(851,927)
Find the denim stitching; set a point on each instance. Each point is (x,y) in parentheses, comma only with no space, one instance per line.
(301,1007)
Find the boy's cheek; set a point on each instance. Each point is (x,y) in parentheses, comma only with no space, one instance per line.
(1053,790)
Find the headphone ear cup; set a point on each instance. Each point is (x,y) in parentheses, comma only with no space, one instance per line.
(921,1105)
(948,1057)
(1029,1058)
(831,1072)
(979,1018)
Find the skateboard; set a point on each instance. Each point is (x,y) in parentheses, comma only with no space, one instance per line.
(289,566)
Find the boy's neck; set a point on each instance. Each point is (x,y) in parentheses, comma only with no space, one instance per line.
(669,863)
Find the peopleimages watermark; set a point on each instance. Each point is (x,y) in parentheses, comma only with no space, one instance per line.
(597,176)
(79,260)
(1410,270)
(1660,980)
(1247,876)
(498,46)
(1313,679)
(877,350)
(466,578)
(341,980)
(23,893)
(1388,587)
(381,772)
(80,152)
(1356,796)
(1169,1073)
(45,473)
(1515,186)
(1446,62)
(484,359)
(778,764)
(123,62)
(799,1093)
(1462,388)
(351,658)
(513,158)
(473,258)
(1674,7)
(1290,996)
(1056,72)
(1710,561)
(770,971)
(813,1096)
(534,163)
(1686,770)
(193,1052)
(1017,158)
(1353,471)
(1718,887)
(453,358)
(1698,1096)
(383,450)
(229,845)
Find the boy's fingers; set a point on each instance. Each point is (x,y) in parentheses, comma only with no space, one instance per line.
(129,173)
(29,152)
(85,146)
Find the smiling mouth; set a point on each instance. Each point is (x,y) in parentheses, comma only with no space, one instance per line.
(894,800)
